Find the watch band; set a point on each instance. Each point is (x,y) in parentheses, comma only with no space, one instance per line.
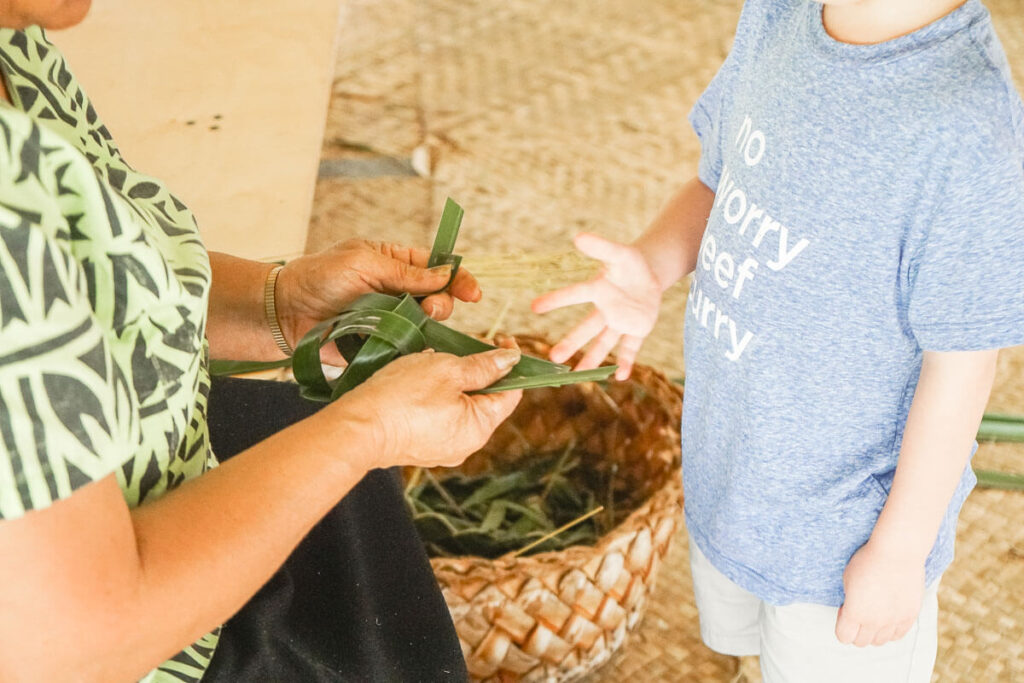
(270,310)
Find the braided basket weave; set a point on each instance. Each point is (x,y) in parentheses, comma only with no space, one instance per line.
(555,616)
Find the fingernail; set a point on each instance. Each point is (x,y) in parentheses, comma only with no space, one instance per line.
(506,358)
(434,308)
(445,270)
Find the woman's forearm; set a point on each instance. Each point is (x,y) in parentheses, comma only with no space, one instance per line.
(236,325)
(671,242)
(941,426)
(109,593)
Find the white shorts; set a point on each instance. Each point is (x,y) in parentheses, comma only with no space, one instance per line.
(797,642)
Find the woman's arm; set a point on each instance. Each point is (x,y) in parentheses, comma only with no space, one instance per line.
(885,578)
(93,591)
(235,325)
(315,287)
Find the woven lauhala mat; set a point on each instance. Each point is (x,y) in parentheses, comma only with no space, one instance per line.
(544,118)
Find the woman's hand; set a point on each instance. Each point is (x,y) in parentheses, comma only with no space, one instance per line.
(417,412)
(884,590)
(626,297)
(312,288)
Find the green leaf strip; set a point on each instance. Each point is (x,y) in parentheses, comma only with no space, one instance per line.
(552,380)
(447,234)
(1001,428)
(1000,480)
(243,367)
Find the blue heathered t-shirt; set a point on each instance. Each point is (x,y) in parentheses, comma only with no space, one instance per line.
(869,206)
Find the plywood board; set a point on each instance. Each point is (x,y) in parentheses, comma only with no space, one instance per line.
(226,101)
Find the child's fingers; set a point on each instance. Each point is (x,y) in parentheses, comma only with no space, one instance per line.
(864,636)
(884,635)
(902,629)
(600,349)
(629,347)
(578,293)
(577,337)
(846,628)
(599,248)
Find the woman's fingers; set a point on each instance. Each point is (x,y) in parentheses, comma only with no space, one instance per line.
(412,255)
(465,286)
(577,337)
(600,349)
(492,409)
(438,306)
(390,275)
(506,341)
(629,347)
(578,293)
(480,370)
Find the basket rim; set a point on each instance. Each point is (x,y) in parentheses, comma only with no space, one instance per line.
(665,501)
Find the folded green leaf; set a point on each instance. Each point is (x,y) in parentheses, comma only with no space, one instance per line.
(395,334)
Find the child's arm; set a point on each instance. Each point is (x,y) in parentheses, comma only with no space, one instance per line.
(885,579)
(671,242)
(627,293)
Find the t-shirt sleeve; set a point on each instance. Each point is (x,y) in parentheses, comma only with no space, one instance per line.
(966,290)
(706,115)
(65,417)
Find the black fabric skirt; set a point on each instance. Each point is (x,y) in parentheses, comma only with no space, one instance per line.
(356,600)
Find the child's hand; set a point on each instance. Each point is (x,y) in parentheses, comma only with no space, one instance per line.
(627,298)
(884,590)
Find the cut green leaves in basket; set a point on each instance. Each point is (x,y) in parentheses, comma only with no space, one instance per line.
(549,504)
(377,328)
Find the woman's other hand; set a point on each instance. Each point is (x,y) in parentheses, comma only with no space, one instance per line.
(315,287)
(418,412)
(626,298)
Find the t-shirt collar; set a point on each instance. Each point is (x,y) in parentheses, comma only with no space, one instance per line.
(935,32)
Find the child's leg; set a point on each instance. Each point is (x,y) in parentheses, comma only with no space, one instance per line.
(729,615)
(799,645)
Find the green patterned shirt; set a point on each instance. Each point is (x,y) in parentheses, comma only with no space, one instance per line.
(103,291)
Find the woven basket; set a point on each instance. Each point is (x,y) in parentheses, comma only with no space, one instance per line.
(555,616)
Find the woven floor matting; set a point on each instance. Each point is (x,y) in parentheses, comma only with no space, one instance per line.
(543,118)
